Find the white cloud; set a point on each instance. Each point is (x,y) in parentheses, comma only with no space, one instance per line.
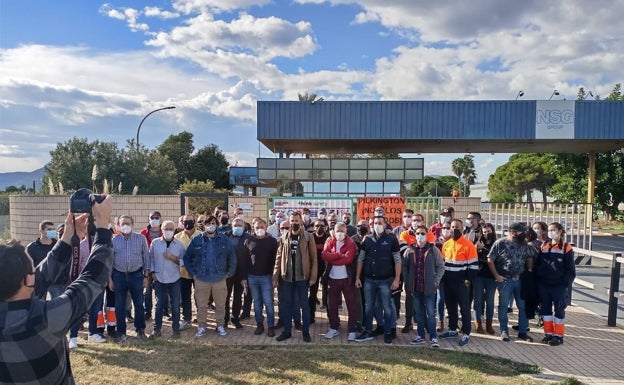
(217,6)
(241,159)
(129,15)
(159,13)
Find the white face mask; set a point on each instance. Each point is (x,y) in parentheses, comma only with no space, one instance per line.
(126,229)
(211,228)
(260,232)
(272,217)
(421,238)
(407,221)
(379,229)
(241,217)
(444,219)
(284,232)
(538,232)
(446,233)
(306,217)
(154,222)
(340,236)
(321,216)
(415,224)
(553,234)
(468,223)
(168,234)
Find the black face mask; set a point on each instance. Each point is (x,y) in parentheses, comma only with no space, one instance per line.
(189,225)
(520,237)
(224,220)
(363,230)
(457,233)
(295,227)
(320,231)
(347,221)
(489,238)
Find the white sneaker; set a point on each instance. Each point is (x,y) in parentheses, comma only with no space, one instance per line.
(96,338)
(331,333)
(222,332)
(73,343)
(351,336)
(185,325)
(200,332)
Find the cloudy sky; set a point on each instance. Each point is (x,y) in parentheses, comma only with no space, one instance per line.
(73,68)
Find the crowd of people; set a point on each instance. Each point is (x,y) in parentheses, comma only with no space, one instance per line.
(451,268)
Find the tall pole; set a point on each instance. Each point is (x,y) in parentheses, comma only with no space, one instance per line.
(145,117)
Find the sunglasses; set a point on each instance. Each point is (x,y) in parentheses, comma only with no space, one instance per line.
(421,233)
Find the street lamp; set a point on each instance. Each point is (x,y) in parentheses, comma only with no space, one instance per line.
(145,117)
(520,94)
(555,92)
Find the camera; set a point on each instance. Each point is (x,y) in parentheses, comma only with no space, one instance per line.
(83,199)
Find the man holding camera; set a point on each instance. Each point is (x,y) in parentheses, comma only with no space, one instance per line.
(32,328)
(130,274)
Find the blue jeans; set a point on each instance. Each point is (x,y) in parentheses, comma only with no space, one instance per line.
(506,291)
(373,288)
(129,283)
(440,301)
(261,287)
(424,314)
(296,313)
(166,292)
(484,290)
(295,296)
(95,308)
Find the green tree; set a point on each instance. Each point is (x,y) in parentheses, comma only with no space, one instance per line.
(464,168)
(179,149)
(209,163)
(202,205)
(152,172)
(309,97)
(432,186)
(72,163)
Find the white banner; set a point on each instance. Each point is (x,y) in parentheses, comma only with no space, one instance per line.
(338,205)
(554,119)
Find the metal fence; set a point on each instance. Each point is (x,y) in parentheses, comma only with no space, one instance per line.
(572,216)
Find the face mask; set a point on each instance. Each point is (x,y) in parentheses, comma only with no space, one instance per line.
(284,232)
(416,224)
(538,232)
(237,231)
(126,229)
(468,223)
(553,234)
(154,222)
(363,230)
(272,217)
(347,221)
(489,237)
(420,238)
(444,219)
(259,232)
(295,227)
(457,233)
(379,229)
(446,233)
(321,216)
(189,225)
(50,234)
(279,220)
(210,229)
(224,220)
(320,231)
(168,234)
(340,236)
(520,237)
(241,217)
(305,217)
(407,221)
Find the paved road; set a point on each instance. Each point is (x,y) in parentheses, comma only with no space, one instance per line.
(599,273)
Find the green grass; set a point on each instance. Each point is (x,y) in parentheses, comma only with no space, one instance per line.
(190,362)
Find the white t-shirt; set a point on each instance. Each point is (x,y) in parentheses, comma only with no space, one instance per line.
(338,272)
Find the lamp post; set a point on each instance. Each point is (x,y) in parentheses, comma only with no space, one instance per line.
(520,94)
(145,117)
(555,93)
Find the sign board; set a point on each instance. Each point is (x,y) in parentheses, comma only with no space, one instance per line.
(247,207)
(393,207)
(554,119)
(288,204)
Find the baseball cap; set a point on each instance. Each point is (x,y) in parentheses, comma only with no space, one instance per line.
(517,226)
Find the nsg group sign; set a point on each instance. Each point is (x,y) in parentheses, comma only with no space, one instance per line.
(554,119)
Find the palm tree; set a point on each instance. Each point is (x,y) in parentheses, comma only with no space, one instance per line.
(309,97)
(464,167)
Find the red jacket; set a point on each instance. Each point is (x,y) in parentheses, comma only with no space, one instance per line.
(345,257)
(146,234)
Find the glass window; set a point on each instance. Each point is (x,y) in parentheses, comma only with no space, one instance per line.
(285,174)
(358,174)
(340,163)
(285,163)
(321,164)
(395,163)
(395,175)
(413,174)
(377,164)
(266,163)
(338,187)
(377,174)
(307,188)
(414,163)
(303,174)
(303,163)
(357,187)
(266,174)
(374,187)
(340,174)
(322,174)
(392,187)
(237,171)
(321,187)
(357,164)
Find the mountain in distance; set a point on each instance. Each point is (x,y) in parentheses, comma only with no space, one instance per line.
(18,179)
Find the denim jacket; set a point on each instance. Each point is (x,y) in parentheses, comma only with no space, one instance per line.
(210,259)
